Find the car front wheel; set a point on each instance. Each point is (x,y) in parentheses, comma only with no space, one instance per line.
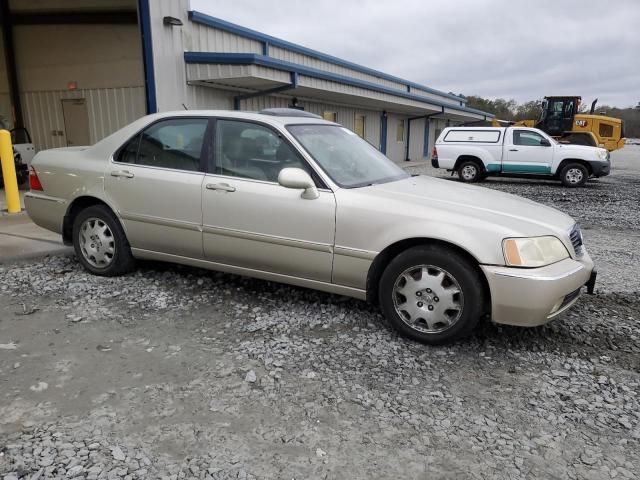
(432,294)
(100,243)
(574,175)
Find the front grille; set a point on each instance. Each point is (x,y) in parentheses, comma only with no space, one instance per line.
(576,239)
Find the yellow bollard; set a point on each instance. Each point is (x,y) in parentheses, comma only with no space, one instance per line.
(9,173)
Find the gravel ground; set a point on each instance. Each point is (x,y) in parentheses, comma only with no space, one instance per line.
(174,372)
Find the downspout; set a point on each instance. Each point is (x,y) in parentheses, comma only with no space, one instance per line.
(383,132)
(294,83)
(147,54)
(10,64)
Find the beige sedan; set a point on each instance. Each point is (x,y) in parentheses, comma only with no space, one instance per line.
(285,196)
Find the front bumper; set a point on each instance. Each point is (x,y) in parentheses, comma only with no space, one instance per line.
(600,169)
(534,296)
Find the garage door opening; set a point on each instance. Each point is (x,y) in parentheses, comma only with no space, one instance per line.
(72,71)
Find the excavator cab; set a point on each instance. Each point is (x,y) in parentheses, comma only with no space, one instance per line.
(557,115)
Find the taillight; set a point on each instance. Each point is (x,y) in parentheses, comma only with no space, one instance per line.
(34,181)
(434,154)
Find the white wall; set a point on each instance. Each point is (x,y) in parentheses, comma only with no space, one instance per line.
(108,110)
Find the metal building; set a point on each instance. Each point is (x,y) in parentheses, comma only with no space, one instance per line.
(79,70)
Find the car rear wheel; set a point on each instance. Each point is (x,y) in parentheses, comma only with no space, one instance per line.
(100,243)
(431,294)
(470,172)
(574,175)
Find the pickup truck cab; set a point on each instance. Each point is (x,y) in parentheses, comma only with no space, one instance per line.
(477,152)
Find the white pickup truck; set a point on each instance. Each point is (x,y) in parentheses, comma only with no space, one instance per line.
(477,152)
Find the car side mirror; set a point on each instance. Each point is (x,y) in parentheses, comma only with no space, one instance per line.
(545,143)
(299,179)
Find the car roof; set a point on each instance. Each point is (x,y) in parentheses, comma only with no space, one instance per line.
(235,114)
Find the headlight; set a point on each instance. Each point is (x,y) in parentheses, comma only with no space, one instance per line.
(603,155)
(533,252)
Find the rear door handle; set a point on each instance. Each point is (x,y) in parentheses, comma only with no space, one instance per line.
(225,187)
(122,173)
(513,149)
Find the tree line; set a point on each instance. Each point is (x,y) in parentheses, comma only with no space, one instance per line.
(513,111)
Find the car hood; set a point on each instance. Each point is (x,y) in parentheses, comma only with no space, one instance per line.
(585,151)
(517,215)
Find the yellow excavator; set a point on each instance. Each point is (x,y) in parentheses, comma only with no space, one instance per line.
(561,120)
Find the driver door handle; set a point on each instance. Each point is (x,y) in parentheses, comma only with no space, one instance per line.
(513,149)
(122,173)
(225,187)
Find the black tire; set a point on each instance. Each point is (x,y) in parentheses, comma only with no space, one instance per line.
(471,300)
(22,177)
(471,171)
(574,175)
(122,260)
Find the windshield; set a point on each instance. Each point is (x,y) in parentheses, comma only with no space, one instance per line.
(349,160)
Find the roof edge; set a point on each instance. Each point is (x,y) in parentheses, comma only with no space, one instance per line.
(204,19)
(217,58)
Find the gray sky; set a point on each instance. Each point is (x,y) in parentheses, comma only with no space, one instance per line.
(494,48)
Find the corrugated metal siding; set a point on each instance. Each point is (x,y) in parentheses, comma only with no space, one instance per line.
(108,109)
(168,53)
(433,96)
(330,86)
(208,39)
(416,140)
(289,56)
(199,71)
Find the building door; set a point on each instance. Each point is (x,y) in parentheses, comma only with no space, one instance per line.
(76,121)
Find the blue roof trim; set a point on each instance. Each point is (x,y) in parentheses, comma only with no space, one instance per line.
(270,62)
(147,52)
(202,18)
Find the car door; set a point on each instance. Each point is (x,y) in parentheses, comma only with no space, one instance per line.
(155,181)
(527,153)
(251,221)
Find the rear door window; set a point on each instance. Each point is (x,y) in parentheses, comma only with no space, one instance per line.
(174,143)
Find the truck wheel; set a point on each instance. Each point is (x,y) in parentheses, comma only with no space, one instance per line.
(470,172)
(574,175)
(431,294)
(100,243)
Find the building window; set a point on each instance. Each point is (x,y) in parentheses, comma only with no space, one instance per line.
(330,116)
(359,126)
(605,130)
(400,131)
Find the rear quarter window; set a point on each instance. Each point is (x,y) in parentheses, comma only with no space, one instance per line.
(474,136)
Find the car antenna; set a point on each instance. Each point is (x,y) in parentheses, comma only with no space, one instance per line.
(184,106)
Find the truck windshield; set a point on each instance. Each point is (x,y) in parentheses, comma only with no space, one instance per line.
(349,160)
